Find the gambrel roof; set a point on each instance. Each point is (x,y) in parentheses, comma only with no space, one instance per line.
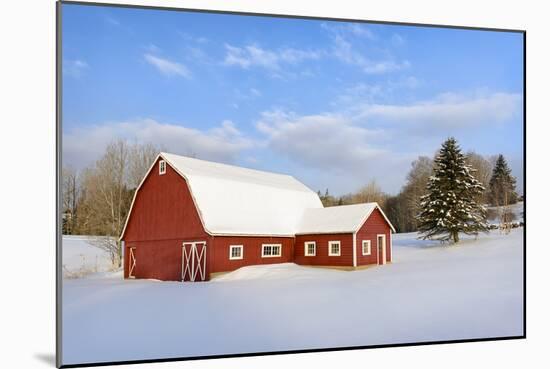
(240,201)
(233,200)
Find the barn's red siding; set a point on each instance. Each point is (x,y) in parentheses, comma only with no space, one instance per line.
(164,209)
(375,224)
(321,255)
(252,252)
(163,217)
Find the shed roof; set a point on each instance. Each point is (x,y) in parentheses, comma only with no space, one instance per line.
(337,219)
(240,201)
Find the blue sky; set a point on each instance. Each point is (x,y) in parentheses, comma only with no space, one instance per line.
(336,104)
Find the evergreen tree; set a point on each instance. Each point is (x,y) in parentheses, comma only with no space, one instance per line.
(451,206)
(502,186)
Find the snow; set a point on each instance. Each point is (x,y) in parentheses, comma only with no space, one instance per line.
(345,218)
(236,200)
(516,209)
(430,292)
(81,257)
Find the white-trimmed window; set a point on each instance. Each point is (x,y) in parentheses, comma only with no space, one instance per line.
(235,252)
(309,248)
(271,250)
(162,167)
(366,247)
(333,248)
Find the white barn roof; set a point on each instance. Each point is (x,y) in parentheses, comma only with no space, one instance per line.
(239,201)
(337,219)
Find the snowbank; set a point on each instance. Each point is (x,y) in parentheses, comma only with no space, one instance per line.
(81,257)
(283,271)
(516,209)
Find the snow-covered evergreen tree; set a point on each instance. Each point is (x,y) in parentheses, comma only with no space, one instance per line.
(451,205)
(502,186)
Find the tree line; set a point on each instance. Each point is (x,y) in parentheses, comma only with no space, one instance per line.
(492,173)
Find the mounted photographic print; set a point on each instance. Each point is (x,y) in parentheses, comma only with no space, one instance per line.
(241,184)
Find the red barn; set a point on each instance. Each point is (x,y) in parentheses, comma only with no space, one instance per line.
(191,219)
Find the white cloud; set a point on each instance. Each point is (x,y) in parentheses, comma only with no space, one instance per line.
(332,151)
(344,51)
(223,143)
(168,67)
(192,38)
(247,95)
(152,48)
(323,141)
(74,68)
(361,93)
(112,21)
(397,39)
(355,29)
(254,92)
(256,56)
(361,140)
(450,110)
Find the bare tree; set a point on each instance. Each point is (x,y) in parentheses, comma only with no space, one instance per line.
(110,245)
(141,158)
(69,194)
(483,170)
(417,180)
(371,193)
(106,197)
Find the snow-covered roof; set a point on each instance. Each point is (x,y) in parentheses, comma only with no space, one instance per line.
(337,219)
(239,201)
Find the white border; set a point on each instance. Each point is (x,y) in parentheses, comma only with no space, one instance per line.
(38,30)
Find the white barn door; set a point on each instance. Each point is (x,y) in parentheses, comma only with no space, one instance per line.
(131,262)
(193,261)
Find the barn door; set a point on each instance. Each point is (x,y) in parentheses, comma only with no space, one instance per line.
(193,261)
(131,262)
(381,248)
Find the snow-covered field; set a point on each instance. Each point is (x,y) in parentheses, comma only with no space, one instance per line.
(81,257)
(430,292)
(516,209)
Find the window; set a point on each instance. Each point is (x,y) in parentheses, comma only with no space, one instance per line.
(366,247)
(235,252)
(271,250)
(333,248)
(309,248)
(162,167)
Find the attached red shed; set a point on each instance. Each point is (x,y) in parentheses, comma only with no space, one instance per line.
(344,236)
(192,218)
